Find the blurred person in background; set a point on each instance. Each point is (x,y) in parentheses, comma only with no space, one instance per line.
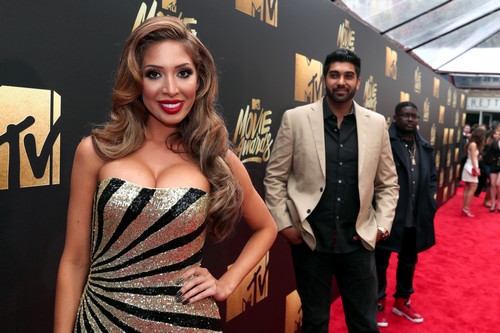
(413,227)
(493,156)
(471,170)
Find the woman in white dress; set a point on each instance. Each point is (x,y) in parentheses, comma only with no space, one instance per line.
(471,169)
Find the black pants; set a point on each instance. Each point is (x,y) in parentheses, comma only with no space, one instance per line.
(407,260)
(356,278)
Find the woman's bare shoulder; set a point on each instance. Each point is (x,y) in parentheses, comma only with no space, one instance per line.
(87,156)
(233,161)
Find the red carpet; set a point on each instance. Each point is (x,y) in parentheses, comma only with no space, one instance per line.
(457,282)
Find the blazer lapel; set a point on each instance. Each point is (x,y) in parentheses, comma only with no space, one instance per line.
(362,129)
(316,122)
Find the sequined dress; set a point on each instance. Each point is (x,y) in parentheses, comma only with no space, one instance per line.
(142,239)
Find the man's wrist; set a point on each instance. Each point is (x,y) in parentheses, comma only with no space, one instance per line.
(384,232)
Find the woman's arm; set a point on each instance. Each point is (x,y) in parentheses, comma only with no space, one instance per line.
(75,260)
(264,232)
(474,157)
(260,221)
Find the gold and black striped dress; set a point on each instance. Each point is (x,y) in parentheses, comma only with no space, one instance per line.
(142,239)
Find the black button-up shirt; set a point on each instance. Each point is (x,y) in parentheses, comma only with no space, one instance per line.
(411,148)
(333,219)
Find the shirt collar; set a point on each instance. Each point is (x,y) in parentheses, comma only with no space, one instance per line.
(327,112)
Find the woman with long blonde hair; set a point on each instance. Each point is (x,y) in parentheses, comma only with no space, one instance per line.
(147,187)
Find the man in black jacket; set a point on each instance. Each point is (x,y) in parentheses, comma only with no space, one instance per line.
(413,227)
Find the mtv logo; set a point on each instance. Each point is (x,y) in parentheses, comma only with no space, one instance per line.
(441,114)
(170,5)
(432,139)
(293,317)
(264,10)
(345,38)
(418,81)
(169,8)
(143,14)
(427,109)
(30,137)
(388,121)
(308,73)
(435,92)
(253,289)
(391,63)
(370,94)
(255,104)
(404,96)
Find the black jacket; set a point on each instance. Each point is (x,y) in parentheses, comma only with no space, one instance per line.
(425,204)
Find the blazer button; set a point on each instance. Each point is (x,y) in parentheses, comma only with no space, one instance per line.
(308,211)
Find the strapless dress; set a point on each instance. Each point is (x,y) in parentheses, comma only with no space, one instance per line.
(142,240)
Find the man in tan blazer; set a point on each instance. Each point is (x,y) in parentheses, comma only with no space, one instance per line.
(332,188)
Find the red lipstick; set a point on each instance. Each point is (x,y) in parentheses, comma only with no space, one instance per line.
(171,106)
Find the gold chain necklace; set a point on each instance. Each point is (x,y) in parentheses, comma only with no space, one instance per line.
(412,152)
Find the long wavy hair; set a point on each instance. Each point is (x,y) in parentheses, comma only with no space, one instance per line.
(478,136)
(202,134)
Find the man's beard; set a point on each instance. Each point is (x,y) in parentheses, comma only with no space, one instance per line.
(340,99)
(404,130)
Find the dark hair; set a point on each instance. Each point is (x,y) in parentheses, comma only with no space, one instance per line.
(342,55)
(478,136)
(405,104)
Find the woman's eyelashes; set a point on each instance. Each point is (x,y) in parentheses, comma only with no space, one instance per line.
(183,73)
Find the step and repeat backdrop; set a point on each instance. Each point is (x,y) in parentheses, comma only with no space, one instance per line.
(57,63)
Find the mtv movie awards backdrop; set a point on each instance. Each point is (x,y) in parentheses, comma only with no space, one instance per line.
(57,69)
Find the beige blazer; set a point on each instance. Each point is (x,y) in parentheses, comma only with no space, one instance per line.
(295,174)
